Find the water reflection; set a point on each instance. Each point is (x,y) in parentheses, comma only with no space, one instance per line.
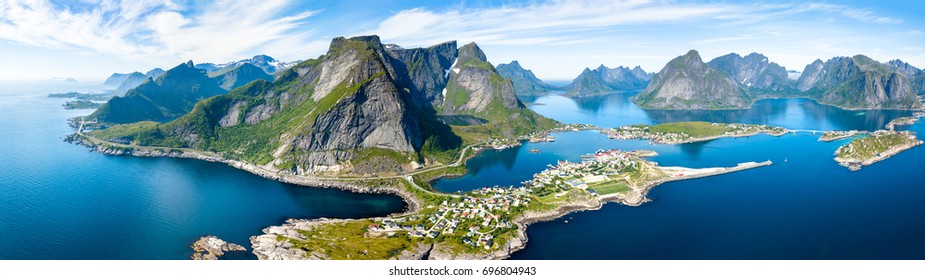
(794,113)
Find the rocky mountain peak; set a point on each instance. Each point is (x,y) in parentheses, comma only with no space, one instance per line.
(472,51)
(904,68)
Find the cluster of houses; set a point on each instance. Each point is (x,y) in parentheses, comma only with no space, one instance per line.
(597,167)
(479,214)
(643,132)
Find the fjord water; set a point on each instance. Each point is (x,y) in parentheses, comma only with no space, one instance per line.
(61,201)
(804,206)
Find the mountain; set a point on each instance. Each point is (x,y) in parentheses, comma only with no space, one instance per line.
(115,79)
(241,75)
(916,75)
(605,80)
(476,92)
(131,81)
(688,83)
(170,95)
(266,63)
(134,79)
(904,68)
(363,108)
(525,83)
(754,71)
(154,73)
(859,82)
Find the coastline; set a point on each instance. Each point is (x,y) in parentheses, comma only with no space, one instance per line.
(854,164)
(752,103)
(269,246)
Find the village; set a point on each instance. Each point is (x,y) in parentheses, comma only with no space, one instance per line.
(687,132)
(473,218)
(477,217)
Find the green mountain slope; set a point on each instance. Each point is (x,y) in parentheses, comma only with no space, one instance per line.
(362,108)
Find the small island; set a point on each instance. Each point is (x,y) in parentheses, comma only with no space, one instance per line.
(690,132)
(81,104)
(82,96)
(903,121)
(830,136)
(877,146)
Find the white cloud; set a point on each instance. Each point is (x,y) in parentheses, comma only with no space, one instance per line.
(548,22)
(147,30)
(725,39)
(558,22)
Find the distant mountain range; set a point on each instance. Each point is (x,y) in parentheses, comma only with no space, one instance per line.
(734,82)
(266,63)
(166,97)
(125,82)
(172,93)
(603,80)
(860,82)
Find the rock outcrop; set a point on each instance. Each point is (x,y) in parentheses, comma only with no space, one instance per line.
(212,248)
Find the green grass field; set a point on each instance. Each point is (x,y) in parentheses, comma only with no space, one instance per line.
(610,187)
(694,129)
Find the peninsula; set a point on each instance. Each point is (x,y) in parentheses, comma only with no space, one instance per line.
(487,223)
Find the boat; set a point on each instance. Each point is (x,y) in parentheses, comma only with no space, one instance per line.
(535,151)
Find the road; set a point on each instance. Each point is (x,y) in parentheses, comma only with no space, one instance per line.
(406,176)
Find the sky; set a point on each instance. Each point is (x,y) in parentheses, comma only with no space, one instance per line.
(88,40)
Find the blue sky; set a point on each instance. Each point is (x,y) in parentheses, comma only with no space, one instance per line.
(88,40)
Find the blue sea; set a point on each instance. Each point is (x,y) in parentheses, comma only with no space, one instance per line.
(61,201)
(804,206)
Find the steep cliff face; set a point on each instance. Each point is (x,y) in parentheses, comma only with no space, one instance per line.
(754,71)
(475,85)
(810,75)
(369,111)
(525,83)
(858,83)
(362,108)
(605,80)
(916,75)
(423,72)
(688,83)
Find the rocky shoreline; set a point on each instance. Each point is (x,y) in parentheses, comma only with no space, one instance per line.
(212,248)
(274,245)
(855,164)
(412,201)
